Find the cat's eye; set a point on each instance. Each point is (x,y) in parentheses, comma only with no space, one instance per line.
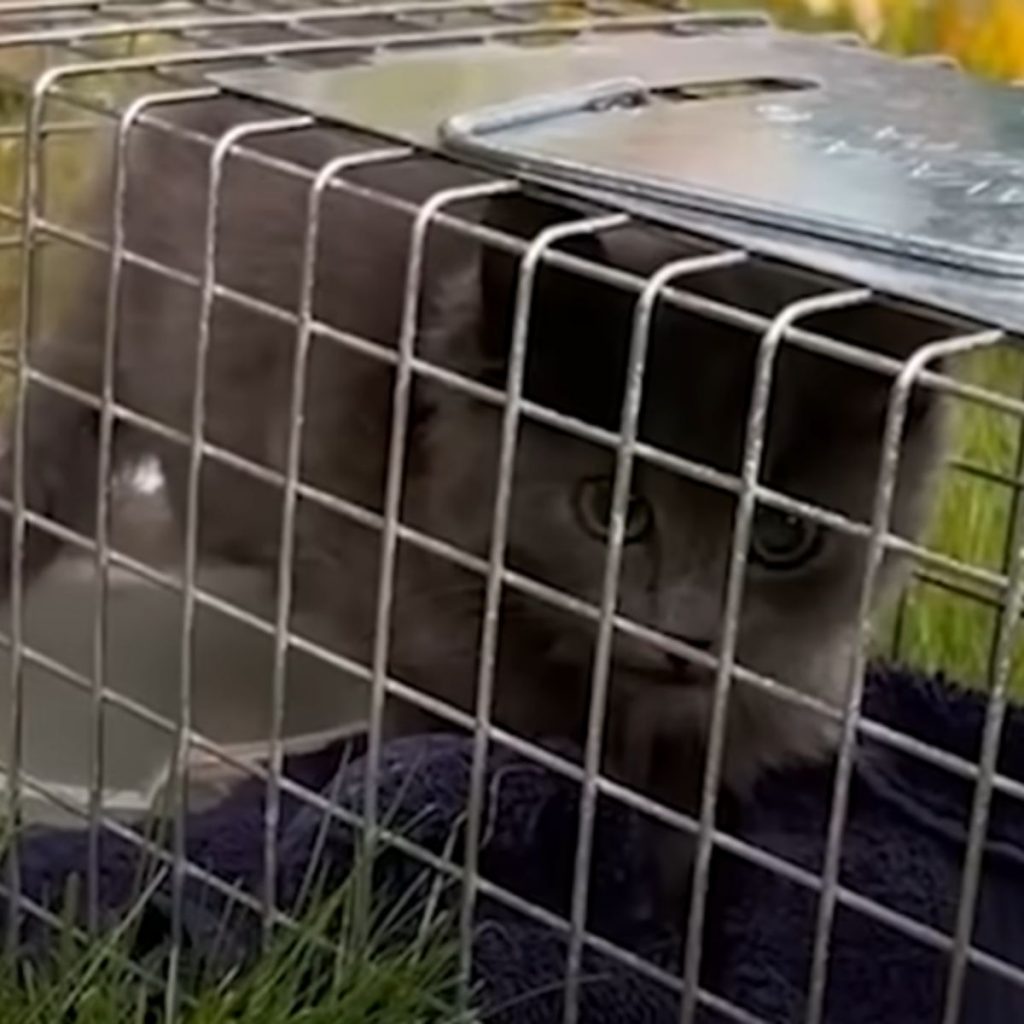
(594,510)
(783,542)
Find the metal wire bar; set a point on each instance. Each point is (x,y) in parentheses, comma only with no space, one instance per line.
(261,19)
(153,850)
(892,738)
(904,743)
(552,761)
(211,31)
(320,803)
(179,760)
(698,20)
(48,130)
(993,476)
(429,860)
(757,425)
(83,938)
(31,195)
(723,312)
(884,490)
(864,905)
(104,482)
(496,563)
(1000,671)
(401,399)
(514,580)
(350,44)
(495,574)
(64,7)
(753,855)
(297,404)
(685,467)
(622,482)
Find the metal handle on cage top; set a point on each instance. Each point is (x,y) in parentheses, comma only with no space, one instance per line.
(461,129)
(598,97)
(472,133)
(874,167)
(522,136)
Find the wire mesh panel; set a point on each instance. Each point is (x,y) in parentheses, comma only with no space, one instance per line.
(635,508)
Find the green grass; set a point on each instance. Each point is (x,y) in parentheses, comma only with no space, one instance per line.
(945,622)
(319,971)
(398,986)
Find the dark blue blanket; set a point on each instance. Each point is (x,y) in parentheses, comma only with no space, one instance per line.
(903,849)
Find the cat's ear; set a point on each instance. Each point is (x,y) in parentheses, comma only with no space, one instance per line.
(560,297)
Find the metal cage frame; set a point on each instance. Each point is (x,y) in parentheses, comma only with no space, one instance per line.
(69,34)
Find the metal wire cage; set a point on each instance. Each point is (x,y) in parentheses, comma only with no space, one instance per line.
(85,79)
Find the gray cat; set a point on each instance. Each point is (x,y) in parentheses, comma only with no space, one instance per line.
(824,434)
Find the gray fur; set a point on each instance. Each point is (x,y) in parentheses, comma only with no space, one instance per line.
(823,445)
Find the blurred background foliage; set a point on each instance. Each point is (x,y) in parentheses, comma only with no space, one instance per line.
(986,36)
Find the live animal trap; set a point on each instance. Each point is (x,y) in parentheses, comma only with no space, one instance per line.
(647,189)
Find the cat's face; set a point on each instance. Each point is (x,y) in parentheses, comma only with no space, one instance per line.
(802,582)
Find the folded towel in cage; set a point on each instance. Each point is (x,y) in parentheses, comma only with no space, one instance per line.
(903,848)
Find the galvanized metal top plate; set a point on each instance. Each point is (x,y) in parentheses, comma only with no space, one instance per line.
(907,165)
